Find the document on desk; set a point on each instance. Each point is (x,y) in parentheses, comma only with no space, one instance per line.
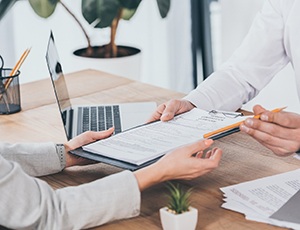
(269,200)
(150,141)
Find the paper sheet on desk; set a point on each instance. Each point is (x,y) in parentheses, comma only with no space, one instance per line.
(150,141)
(260,199)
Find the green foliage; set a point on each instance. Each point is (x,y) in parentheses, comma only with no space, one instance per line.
(101,13)
(98,13)
(43,8)
(164,7)
(179,200)
(5,6)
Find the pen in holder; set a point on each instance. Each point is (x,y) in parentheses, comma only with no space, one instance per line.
(9,92)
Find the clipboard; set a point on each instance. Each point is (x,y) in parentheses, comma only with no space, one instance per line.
(110,161)
(128,166)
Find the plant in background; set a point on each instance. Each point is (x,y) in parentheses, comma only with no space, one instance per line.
(5,6)
(45,8)
(107,13)
(179,200)
(98,13)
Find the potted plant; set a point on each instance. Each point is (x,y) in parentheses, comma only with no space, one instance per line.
(100,14)
(178,214)
(108,13)
(119,60)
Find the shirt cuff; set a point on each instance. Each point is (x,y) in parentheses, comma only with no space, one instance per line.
(61,153)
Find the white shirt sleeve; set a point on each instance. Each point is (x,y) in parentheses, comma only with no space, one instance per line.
(252,66)
(29,203)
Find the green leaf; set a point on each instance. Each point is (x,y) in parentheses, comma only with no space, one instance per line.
(129,8)
(164,7)
(43,8)
(179,200)
(127,14)
(130,4)
(5,6)
(100,12)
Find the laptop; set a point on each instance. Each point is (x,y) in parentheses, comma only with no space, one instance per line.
(78,119)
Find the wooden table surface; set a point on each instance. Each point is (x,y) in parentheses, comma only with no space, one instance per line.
(243,159)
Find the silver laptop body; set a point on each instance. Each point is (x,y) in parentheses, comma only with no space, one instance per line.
(80,118)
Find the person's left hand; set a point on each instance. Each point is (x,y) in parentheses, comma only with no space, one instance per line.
(280,132)
(80,140)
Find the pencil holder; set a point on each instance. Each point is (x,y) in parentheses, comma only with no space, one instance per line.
(9,92)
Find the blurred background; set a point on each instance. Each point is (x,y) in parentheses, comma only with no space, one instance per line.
(178,52)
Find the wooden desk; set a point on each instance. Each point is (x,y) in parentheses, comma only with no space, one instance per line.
(243,158)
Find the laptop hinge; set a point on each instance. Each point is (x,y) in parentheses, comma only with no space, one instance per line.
(71,124)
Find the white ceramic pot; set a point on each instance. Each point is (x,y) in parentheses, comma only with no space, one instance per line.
(129,66)
(184,221)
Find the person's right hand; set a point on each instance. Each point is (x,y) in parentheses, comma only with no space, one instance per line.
(279,132)
(187,162)
(168,110)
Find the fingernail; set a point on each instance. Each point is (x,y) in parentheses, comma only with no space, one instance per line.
(244,128)
(264,117)
(249,122)
(165,115)
(208,142)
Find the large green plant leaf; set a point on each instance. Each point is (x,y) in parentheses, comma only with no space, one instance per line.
(5,6)
(127,14)
(43,8)
(100,12)
(131,4)
(129,8)
(164,7)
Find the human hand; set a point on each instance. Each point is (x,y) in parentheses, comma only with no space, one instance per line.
(187,162)
(168,110)
(80,140)
(279,132)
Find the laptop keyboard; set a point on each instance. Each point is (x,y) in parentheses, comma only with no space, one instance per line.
(99,118)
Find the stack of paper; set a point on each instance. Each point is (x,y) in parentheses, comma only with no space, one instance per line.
(274,200)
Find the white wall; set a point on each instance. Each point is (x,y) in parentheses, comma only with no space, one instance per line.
(157,38)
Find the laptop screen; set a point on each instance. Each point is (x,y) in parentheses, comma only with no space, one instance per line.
(59,83)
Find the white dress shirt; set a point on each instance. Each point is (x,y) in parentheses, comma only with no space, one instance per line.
(30,203)
(272,42)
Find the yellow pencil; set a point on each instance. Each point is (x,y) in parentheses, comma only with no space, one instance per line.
(15,70)
(235,125)
(16,67)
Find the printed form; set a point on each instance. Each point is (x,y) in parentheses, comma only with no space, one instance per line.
(153,140)
(261,200)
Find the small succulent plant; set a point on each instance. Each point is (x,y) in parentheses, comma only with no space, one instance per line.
(179,199)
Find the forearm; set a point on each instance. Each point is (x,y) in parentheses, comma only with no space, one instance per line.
(36,159)
(111,198)
(214,94)
(151,175)
(27,202)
